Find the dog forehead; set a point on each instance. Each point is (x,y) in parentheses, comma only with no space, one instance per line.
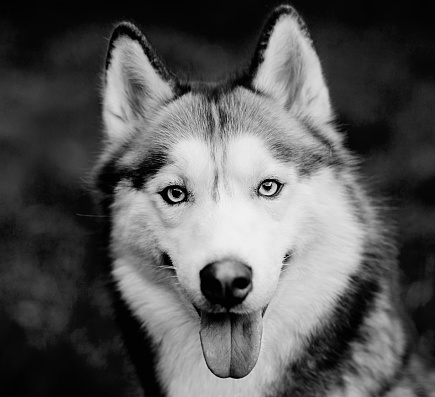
(213,122)
(247,152)
(243,153)
(218,115)
(219,118)
(192,157)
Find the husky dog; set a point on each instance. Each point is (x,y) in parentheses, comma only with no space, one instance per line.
(246,258)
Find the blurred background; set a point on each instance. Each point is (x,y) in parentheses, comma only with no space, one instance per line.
(57,337)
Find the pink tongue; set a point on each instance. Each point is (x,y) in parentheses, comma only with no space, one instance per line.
(231,342)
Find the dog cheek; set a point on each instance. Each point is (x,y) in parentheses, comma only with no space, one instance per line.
(188,255)
(264,256)
(265,281)
(190,284)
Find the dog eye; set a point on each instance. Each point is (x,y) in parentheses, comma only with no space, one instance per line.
(174,194)
(269,188)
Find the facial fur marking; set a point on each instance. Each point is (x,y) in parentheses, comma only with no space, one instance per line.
(330,347)
(223,119)
(216,141)
(215,187)
(113,171)
(306,161)
(150,165)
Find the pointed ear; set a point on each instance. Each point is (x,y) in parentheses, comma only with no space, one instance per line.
(286,66)
(136,82)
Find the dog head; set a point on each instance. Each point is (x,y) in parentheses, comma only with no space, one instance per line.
(211,186)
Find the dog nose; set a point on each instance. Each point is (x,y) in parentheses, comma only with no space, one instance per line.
(226,283)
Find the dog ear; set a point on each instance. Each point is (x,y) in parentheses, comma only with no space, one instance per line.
(286,66)
(136,82)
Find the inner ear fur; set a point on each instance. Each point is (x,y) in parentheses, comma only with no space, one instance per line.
(136,82)
(286,67)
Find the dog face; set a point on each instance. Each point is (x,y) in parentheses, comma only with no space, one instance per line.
(215,189)
(224,195)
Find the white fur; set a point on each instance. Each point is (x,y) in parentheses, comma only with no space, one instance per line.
(324,257)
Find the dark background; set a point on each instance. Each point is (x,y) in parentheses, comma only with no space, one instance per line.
(57,337)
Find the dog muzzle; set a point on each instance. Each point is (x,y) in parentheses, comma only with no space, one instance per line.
(230,341)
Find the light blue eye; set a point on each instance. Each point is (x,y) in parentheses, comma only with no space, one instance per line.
(269,188)
(174,194)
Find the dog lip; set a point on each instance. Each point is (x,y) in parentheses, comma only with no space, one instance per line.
(199,311)
(263,312)
(287,257)
(167,259)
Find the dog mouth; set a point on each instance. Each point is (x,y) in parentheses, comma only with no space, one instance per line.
(231,342)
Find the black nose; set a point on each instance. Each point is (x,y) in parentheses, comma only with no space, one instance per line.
(226,283)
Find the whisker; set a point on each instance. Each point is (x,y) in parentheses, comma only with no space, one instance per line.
(166,268)
(92,216)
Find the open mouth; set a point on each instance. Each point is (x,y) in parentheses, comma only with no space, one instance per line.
(231,342)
